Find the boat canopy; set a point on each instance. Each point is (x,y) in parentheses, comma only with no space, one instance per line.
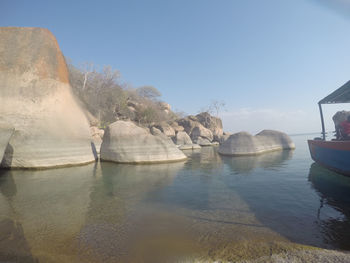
(341,95)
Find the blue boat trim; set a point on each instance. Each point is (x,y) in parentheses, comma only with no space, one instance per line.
(334,155)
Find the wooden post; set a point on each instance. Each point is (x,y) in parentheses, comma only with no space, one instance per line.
(322,122)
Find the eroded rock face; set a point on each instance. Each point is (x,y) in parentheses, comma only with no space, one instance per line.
(124,142)
(36,99)
(243,143)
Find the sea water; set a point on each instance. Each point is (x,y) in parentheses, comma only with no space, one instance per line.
(209,207)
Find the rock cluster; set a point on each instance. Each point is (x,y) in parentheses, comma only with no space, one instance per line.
(192,132)
(243,143)
(36,99)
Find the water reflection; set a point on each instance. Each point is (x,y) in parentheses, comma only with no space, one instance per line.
(45,209)
(247,164)
(205,160)
(109,212)
(334,191)
(117,216)
(76,214)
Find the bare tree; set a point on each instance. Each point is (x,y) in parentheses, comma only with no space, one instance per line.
(87,68)
(214,107)
(148,92)
(217,106)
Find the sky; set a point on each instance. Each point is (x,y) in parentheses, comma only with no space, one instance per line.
(270,61)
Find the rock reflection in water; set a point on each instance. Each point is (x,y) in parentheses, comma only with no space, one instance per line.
(76,214)
(206,160)
(115,220)
(334,191)
(246,164)
(46,208)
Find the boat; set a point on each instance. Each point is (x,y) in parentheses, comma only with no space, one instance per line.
(334,154)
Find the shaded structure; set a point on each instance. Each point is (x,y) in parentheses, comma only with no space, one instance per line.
(335,154)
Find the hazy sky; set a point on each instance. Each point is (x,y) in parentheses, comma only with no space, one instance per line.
(269,60)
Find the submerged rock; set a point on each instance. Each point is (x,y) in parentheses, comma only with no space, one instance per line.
(36,99)
(124,142)
(243,143)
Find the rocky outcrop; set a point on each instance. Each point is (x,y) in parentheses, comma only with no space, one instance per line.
(340,116)
(124,142)
(243,143)
(189,123)
(200,132)
(177,127)
(6,132)
(166,129)
(182,138)
(214,124)
(36,99)
(202,128)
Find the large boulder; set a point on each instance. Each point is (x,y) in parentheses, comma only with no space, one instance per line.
(36,99)
(214,124)
(201,131)
(203,141)
(6,132)
(124,142)
(189,123)
(243,143)
(182,138)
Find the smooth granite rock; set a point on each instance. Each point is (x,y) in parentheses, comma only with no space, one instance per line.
(6,132)
(124,142)
(36,99)
(182,138)
(243,143)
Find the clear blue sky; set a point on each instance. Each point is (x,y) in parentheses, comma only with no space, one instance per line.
(269,60)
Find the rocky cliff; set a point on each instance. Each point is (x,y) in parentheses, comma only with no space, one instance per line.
(36,99)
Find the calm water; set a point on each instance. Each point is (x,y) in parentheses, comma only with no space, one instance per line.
(209,207)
